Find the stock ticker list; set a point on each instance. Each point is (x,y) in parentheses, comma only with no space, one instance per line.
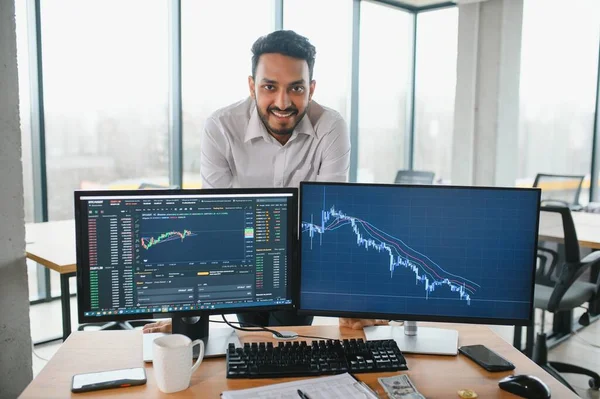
(160,254)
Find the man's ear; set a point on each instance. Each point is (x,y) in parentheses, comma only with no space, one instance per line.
(251,87)
(311,89)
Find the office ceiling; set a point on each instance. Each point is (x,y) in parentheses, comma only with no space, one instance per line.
(417,5)
(420,3)
(428,3)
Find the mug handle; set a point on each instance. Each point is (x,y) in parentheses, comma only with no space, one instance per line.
(200,355)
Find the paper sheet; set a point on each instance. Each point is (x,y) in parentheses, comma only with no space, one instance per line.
(335,386)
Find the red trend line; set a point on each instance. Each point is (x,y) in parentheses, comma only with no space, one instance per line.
(407,254)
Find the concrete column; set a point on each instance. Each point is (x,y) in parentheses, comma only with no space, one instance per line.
(486,116)
(15,336)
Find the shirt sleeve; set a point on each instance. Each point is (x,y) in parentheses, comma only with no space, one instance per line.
(214,167)
(335,164)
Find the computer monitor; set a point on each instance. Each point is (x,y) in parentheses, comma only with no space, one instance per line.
(184,253)
(418,253)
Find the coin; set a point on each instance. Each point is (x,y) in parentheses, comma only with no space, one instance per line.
(467,393)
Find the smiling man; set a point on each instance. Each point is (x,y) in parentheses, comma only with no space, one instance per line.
(277,137)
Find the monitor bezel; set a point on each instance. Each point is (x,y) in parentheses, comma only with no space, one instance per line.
(82,254)
(412,317)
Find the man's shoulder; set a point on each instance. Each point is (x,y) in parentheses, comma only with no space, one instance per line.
(237,113)
(323,118)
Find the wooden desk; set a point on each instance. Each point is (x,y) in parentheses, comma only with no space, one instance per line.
(52,245)
(434,376)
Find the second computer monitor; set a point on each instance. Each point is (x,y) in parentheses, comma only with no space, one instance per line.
(424,253)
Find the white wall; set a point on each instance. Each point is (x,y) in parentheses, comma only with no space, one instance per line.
(15,337)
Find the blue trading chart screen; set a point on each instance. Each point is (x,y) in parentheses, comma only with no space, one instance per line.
(426,252)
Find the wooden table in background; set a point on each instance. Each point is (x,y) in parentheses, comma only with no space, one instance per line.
(587,226)
(434,376)
(52,245)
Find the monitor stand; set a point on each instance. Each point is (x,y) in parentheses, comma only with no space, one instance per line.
(428,341)
(196,327)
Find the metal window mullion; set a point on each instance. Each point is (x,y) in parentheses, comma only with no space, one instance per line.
(410,101)
(38,133)
(354,91)
(595,139)
(278,14)
(175,102)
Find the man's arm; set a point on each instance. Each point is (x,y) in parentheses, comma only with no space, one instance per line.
(214,168)
(336,156)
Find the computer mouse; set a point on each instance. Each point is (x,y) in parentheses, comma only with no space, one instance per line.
(525,386)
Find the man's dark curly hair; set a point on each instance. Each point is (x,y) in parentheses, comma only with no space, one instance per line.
(286,42)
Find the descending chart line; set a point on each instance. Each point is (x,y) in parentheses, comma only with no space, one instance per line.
(369,237)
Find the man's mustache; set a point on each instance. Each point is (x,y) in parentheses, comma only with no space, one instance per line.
(290,109)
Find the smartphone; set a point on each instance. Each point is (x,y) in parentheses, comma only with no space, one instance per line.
(108,379)
(486,358)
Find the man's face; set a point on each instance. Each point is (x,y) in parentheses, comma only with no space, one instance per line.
(282,92)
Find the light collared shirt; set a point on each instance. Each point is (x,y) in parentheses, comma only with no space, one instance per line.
(238,151)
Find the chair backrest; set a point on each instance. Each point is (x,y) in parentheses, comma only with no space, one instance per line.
(571,242)
(546,272)
(414,177)
(564,188)
(572,267)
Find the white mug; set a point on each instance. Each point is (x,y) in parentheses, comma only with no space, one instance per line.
(172,359)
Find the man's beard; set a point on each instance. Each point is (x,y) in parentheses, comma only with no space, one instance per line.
(283,132)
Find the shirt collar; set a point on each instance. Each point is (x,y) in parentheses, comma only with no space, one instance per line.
(256,128)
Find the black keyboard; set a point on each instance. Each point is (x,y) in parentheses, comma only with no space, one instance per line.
(302,359)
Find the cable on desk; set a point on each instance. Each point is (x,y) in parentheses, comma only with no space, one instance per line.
(261,328)
(257,329)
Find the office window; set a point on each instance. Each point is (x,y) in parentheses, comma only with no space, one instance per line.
(36,288)
(435,87)
(217,36)
(384,72)
(105,87)
(559,64)
(313,19)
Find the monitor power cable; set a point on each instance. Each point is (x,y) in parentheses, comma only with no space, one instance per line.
(261,328)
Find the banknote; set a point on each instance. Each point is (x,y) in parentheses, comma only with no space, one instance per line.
(400,387)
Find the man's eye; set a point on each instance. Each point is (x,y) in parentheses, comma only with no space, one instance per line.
(269,87)
(298,89)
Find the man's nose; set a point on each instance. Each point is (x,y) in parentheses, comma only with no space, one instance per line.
(282,101)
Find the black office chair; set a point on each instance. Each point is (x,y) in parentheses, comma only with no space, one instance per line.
(561,189)
(557,288)
(414,177)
